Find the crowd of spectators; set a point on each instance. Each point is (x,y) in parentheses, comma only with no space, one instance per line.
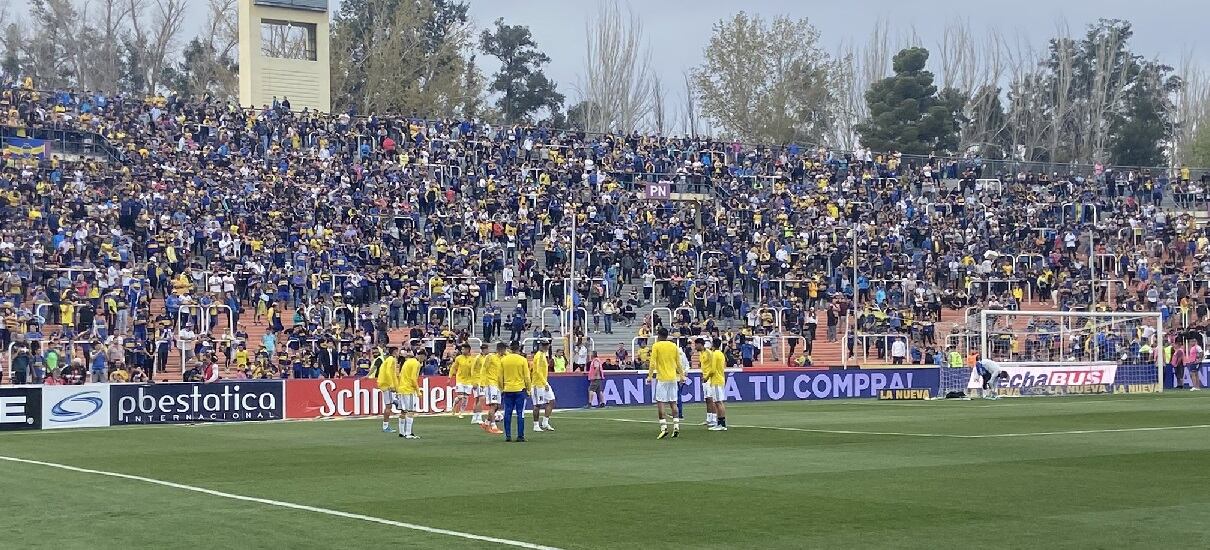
(336,233)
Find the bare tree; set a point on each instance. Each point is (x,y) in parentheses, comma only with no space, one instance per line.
(55,42)
(875,64)
(659,107)
(1064,74)
(849,103)
(1109,86)
(691,115)
(1191,108)
(616,83)
(105,69)
(973,69)
(166,21)
(1028,95)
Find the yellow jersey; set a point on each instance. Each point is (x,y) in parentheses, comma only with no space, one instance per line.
(464,370)
(665,362)
(514,373)
(408,377)
(491,370)
(718,362)
(477,371)
(388,373)
(539,369)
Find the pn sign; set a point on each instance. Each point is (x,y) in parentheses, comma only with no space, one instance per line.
(659,191)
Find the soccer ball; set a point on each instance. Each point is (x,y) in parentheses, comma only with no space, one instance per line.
(499,416)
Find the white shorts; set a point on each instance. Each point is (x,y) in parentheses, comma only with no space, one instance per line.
(465,389)
(408,402)
(666,392)
(388,398)
(717,393)
(492,395)
(543,395)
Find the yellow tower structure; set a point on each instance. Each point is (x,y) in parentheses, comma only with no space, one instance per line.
(283,53)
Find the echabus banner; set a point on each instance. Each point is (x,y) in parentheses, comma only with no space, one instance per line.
(243,401)
(1035,376)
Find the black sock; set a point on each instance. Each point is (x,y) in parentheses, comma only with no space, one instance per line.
(722,421)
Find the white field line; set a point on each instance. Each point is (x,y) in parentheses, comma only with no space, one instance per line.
(934,435)
(289,505)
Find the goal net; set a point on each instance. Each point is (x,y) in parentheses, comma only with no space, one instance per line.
(1064,353)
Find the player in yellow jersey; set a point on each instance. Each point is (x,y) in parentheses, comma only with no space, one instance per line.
(388,374)
(714,383)
(542,394)
(491,387)
(706,362)
(407,389)
(464,379)
(720,390)
(514,380)
(477,373)
(667,372)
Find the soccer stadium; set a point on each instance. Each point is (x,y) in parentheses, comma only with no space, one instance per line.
(461,274)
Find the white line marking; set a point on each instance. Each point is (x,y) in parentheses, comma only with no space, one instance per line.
(290,505)
(1099,431)
(950,436)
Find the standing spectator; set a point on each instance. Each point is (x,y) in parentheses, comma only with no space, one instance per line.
(327,360)
(747,353)
(1193,359)
(1177,360)
(21,365)
(186,339)
(833,321)
(507,276)
(607,311)
(581,357)
(898,351)
(98,365)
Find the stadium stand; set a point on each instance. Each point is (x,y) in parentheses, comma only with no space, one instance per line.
(171,233)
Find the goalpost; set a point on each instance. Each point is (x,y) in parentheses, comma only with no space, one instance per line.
(1067,352)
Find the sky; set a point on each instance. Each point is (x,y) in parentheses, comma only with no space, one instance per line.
(678,30)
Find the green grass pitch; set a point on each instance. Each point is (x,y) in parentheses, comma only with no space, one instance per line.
(1078,472)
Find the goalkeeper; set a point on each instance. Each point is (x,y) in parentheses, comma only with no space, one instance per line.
(990,371)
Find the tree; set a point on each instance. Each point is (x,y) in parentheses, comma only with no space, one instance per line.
(905,113)
(1141,133)
(1199,148)
(1191,113)
(208,65)
(971,72)
(766,81)
(659,106)
(523,87)
(402,56)
(156,38)
(1098,98)
(616,84)
(577,116)
(53,47)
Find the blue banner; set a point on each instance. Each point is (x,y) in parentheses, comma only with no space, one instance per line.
(631,388)
(175,403)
